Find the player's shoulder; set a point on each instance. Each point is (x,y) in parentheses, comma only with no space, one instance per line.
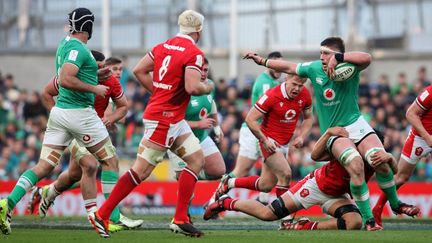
(111,81)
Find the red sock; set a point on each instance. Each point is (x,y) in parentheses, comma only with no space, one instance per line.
(249,182)
(281,190)
(382,200)
(311,225)
(229,204)
(186,186)
(122,188)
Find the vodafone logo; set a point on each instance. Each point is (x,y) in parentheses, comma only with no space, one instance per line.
(86,138)
(202,113)
(290,114)
(329,94)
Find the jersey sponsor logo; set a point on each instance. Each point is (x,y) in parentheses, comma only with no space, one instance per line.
(175,48)
(73,55)
(280,104)
(305,64)
(418,151)
(290,114)
(329,94)
(86,138)
(262,99)
(210,98)
(162,85)
(203,113)
(424,95)
(304,192)
(319,80)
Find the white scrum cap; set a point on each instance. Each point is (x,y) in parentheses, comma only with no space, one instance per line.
(190,21)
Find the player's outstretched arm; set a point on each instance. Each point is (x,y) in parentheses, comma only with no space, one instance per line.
(193,83)
(319,152)
(143,71)
(275,64)
(413,115)
(49,92)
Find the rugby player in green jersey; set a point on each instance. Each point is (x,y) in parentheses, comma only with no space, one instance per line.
(337,105)
(72,117)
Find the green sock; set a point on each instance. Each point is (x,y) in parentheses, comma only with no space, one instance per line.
(361,197)
(387,185)
(75,185)
(26,181)
(231,174)
(109,179)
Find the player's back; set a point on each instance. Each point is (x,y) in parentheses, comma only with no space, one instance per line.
(171,58)
(333,179)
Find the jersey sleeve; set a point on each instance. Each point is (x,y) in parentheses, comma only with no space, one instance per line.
(117,91)
(265,103)
(308,99)
(303,69)
(424,100)
(55,82)
(77,55)
(195,60)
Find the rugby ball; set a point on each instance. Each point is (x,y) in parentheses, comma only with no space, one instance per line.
(344,71)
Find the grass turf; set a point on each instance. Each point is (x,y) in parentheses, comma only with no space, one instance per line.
(242,229)
(219,236)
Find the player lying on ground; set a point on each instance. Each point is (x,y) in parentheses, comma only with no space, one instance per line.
(417,145)
(83,161)
(279,109)
(327,187)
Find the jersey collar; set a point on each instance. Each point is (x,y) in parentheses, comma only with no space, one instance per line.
(283,90)
(185,36)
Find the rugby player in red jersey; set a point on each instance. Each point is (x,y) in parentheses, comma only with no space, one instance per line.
(176,66)
(280,109)
(327,186)
(417,145)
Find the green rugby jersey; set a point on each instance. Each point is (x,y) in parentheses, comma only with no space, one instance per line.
(336,102)
(199,107)
(72,50)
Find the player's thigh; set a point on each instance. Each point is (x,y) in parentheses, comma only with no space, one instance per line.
(249,147)
(333,203)
(57,133)
(213,160)
(414,149)
(88,129)
(305,193)
(359,130)
(177,164)
(278,164)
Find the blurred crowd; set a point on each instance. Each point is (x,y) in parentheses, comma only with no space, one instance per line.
(23,119)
